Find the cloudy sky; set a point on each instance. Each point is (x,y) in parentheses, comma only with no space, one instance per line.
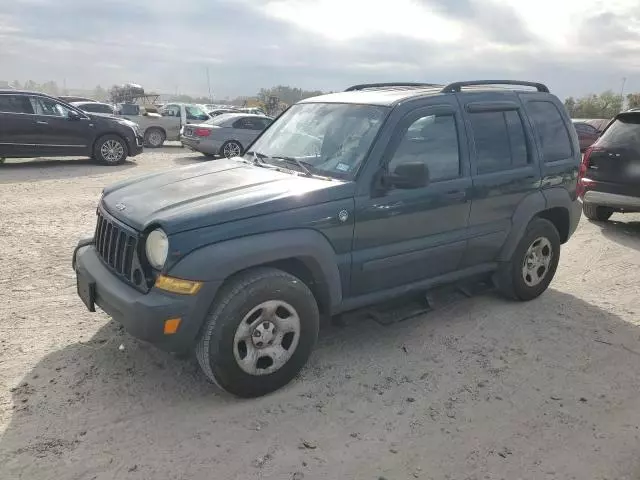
(576,46)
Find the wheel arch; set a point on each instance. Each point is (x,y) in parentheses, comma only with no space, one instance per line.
(304,253)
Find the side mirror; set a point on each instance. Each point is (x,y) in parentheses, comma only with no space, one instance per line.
(73,115)
(408,175)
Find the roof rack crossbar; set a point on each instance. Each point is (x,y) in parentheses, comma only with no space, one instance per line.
(391,84)
(457,86)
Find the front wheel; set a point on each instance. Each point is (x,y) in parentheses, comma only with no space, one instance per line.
(595,212)
(259,332)
(110,150)
(533,263)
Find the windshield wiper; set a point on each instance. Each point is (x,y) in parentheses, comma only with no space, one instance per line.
(299,163)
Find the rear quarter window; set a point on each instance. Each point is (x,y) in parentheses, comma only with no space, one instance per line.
(551,131)
(624,132)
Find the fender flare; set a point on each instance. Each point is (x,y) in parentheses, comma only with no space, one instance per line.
(217,262)
(528,208)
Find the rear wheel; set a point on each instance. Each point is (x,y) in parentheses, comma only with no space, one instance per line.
(595,212)
(110,150)
(154,137)
(231,149)
(533,263)
(259,332)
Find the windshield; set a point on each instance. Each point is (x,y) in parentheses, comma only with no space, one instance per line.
(195,113)
(331,139)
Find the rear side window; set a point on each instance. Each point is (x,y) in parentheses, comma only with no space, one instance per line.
(624,132)
(551,131)
(15,104)
(500,141)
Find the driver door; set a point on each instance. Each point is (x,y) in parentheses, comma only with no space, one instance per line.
(404,236)
(56,133)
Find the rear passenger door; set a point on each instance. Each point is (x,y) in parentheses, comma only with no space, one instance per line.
(503,167)
(17,126)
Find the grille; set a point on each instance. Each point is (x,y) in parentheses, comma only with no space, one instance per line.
(117,247)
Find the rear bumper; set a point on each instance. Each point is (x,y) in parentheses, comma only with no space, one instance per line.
(143,314)
(205,146)
(612,200)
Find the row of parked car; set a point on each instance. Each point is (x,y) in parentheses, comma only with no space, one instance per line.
(38,125)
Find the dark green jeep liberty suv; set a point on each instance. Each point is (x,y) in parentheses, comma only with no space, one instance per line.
(346,200)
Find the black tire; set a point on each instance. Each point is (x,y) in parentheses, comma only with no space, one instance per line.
(227,146)
(154,137)
(216,348)
(510,278)
(103,153)
(595,212)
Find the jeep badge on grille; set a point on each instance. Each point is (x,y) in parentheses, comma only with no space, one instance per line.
(120,206)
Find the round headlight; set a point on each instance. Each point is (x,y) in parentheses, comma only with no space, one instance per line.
(157,248)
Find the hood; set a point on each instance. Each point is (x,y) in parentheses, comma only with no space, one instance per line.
(212,193)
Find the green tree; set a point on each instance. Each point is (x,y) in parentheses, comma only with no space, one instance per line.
(633,99)
(31,85)
(605,105)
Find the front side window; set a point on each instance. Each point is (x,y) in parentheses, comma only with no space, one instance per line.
(432,140)
(332,139)
(48,107)
(499,140)
(171,111)
(551,131)
(15,104)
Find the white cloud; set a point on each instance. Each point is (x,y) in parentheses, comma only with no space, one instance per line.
(341,20)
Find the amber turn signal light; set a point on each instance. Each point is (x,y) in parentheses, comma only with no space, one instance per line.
(178,285)
(171,326)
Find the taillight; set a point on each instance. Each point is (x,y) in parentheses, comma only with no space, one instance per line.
(202,132)
(582,171)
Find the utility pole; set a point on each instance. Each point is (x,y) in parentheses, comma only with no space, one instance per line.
(209,85)
(624,80)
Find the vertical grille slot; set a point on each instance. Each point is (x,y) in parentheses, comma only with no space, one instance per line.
(116,246)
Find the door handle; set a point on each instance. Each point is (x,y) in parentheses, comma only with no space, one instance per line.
(42,122)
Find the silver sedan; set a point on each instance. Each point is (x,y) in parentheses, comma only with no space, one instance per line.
(227,135)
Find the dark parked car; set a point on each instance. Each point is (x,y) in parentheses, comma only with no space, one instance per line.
(37,125)
(587,134)
(227,135)
(345,200)
(95,107)
(609,177)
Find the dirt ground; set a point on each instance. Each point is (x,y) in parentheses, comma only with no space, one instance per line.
(480,388)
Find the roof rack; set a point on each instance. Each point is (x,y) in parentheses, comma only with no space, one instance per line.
(365,86)
(457,86)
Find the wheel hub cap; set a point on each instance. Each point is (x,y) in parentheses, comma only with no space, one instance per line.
(536,261)
(267,337)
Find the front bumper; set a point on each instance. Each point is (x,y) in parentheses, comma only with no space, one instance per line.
(613,200)
(143,315)
(135,145)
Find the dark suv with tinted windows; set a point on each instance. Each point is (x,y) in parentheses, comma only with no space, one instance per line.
(344,201)
(609,179)
(37,125)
